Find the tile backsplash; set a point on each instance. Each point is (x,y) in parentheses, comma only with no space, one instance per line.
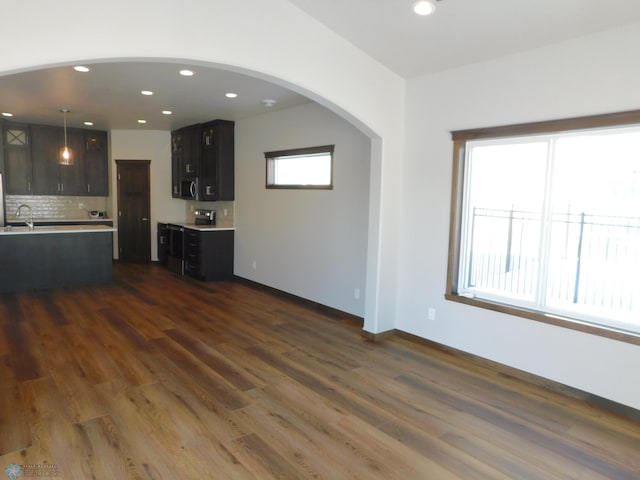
(77,208)
(56,207)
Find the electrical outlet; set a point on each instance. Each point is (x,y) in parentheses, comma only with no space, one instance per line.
(255,265)
(225,212)
(431,313)
(81,206)
(356,294)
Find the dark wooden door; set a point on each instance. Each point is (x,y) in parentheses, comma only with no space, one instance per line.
(134,210)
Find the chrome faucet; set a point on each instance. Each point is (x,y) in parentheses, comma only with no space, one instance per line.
(30,221)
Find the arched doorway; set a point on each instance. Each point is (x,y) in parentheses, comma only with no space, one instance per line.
(291,48)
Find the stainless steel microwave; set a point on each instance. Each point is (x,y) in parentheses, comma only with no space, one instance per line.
(189,189)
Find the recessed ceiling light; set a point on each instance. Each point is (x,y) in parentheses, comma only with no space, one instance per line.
(7,114)
(88,124)
(424,7)
(167,112)
(81,68)
(231,95)
(146,92)
(186,73)
(269,102)
(142,121)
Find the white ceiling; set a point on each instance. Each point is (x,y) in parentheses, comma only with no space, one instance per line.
(460,32)
(463,31)
(109,96)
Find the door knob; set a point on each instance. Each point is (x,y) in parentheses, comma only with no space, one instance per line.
(145,219)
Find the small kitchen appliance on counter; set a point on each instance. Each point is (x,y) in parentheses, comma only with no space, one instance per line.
(97,214)
(205,217)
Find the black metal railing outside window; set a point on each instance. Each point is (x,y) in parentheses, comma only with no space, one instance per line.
(580,261)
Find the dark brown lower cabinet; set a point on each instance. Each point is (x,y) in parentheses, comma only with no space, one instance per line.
(163,243)
(208,255)
(55,260)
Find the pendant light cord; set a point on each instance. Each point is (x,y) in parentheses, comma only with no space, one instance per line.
(64,116)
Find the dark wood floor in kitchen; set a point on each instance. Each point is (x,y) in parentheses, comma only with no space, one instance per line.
(157,377)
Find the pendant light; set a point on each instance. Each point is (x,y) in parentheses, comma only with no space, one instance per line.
(66,155)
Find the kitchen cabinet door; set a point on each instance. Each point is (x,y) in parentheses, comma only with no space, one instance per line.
(190,164)
(185,157)
(96,163)
(209,179)
(17,167)
(176,161)
(163,243)
(217,179)
(72,177)
(44,151)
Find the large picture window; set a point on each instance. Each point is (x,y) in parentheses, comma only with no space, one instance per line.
(546,222)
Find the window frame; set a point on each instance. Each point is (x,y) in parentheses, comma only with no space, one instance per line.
(270,156)
(460,139)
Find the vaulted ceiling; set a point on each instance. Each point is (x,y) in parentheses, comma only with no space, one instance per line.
(460,32)
(463,31)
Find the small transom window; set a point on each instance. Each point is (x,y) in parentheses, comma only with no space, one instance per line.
(310,168)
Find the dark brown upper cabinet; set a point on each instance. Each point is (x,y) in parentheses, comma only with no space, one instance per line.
(217,180)
(96,163)
(16,159)
(31,161)
(204,153)
(176,159)
(49,177)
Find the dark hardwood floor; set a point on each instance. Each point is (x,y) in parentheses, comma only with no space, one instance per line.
(158,377)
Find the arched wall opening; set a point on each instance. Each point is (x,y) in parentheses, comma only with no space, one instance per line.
(375,141)
(271,38)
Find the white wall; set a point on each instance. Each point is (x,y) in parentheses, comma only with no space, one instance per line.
(151,145)
(311,243)
(592,75)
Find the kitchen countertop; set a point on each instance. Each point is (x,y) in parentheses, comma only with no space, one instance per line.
(201,228)
(206,228)
(40,229)
(18,220)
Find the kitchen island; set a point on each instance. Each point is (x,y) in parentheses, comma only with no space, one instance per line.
(55,256)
